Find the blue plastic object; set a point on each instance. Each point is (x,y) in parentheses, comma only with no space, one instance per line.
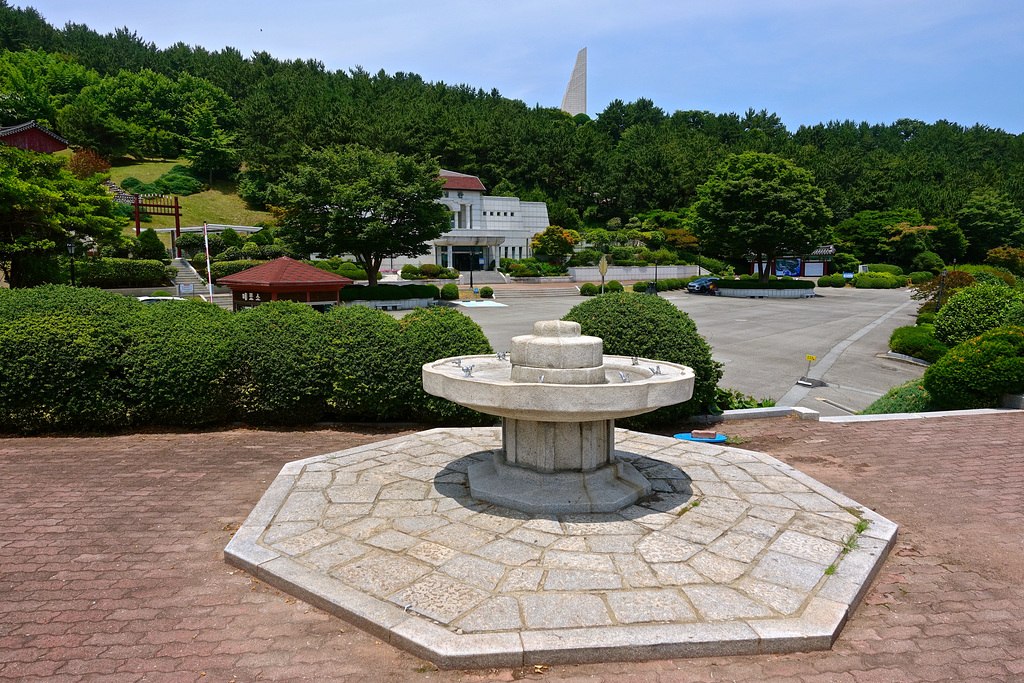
(718,438)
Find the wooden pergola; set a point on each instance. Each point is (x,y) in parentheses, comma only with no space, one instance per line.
(283,279)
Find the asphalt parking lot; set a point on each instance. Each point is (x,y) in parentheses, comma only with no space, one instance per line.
(763,343)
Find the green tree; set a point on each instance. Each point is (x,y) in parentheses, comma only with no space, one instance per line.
(41,204)
(762,204)
(150,246)
(988,220)
(866,234)
(555,241)
(208,148)
(354,200)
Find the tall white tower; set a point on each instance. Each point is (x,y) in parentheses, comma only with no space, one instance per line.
(575,100)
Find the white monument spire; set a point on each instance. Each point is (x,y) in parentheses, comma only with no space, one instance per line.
(575,100)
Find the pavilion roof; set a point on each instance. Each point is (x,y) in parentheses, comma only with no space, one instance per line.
(284,271)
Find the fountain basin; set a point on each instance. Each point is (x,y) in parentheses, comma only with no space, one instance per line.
(490,389)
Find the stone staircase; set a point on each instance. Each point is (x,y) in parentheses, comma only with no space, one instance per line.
(482,277)
(188,275)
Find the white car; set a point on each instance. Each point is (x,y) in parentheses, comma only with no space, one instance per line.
(158,299)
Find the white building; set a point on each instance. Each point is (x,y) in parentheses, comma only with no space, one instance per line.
(485,229)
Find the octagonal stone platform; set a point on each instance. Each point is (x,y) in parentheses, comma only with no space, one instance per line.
(733,553)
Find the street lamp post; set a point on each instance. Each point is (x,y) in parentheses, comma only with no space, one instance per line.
(71,251)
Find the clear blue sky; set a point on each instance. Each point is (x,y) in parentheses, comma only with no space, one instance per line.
(807,60)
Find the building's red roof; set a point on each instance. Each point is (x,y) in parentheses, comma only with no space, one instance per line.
(285,272)
(461,181)
(7,131)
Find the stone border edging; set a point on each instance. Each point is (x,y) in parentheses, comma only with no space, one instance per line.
(816,629)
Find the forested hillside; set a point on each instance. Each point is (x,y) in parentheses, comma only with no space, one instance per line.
(121,95)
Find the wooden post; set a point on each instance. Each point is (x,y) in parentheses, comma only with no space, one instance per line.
(138,223)
(177,225)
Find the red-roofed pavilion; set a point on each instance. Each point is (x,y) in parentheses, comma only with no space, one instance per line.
(284,279)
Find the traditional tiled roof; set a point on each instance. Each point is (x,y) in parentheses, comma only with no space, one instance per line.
(825,250)
(29,125)
(461,181)
(284,271)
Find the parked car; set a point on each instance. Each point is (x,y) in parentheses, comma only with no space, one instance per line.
(702,285)
(158,299)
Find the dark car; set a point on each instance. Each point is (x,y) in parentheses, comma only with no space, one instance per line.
(701,285)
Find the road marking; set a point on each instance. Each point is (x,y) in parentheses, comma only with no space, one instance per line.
(799,393)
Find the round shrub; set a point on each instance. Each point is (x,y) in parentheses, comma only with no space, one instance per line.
(884,268)
(282,364)
(917,342)
(919,276)
(251,250)
(825,281)
(429,334)
(976,373)
(450,292)
(486,293)
(430,270)
(926,318)
(640,287)
(651,327)
(367,351)
(838,281)
(411,272)
(909,397)
(613,286)
(974,310)
(928,261)
(589,289)
(178,364)
(876,280)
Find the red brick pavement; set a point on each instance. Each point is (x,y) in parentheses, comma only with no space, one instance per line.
(111,564)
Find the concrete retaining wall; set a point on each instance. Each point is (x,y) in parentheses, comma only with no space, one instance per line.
(767,293)
(631,273)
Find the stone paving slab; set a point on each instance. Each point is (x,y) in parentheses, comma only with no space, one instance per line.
(734,552)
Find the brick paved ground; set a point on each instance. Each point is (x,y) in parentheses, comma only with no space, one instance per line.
(111,566)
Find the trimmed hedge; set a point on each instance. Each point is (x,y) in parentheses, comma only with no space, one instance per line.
(450,292)
(430,334)
(221,269)
(77,358)
(120,272)
(877,280)
(974,310)
(771,284)
(388,292)
(917,342)
(633,324)
(178,364)
(60,353)
(589,289)
(613,286)
(884,268)
(367,348)
(282,364)
(977,372)
(486,293)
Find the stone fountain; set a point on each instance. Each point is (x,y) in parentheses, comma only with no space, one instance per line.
(558,396)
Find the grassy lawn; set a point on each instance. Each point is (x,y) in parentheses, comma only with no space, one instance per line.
(220,204)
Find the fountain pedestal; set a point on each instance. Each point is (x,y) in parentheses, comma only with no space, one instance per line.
(558,399)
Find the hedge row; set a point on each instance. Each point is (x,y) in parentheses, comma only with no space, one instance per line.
(83,359)
(120,272)
(917,342)
(388,292)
